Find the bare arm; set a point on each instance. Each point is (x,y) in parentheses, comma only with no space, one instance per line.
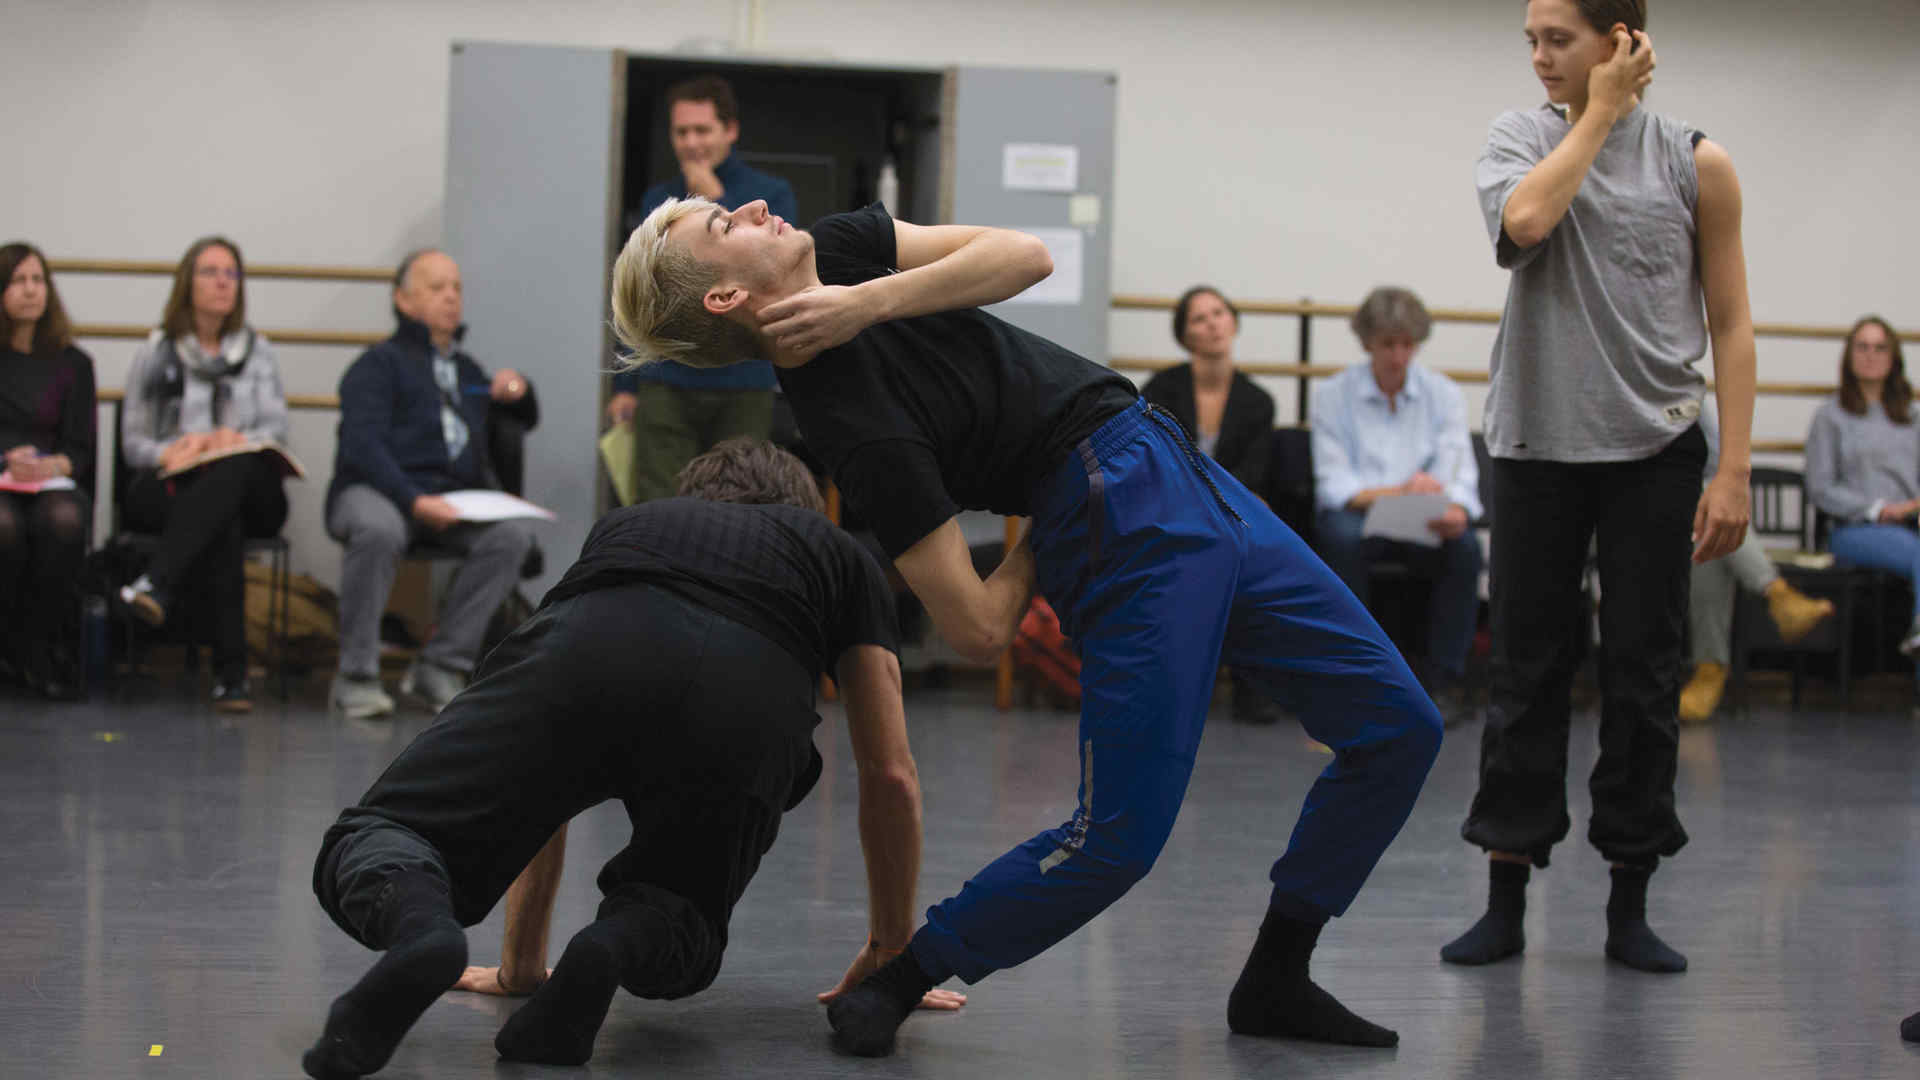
(889,815)
(523,953)
(1721,520)
(1540,201)
(978,618)
(889,791)
(942,268)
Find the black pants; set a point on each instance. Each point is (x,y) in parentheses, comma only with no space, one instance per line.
(1545,514)
(43,541)
(702,727)
(203,519)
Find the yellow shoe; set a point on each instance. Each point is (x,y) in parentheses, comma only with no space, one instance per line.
(1794,613)
(1702,693)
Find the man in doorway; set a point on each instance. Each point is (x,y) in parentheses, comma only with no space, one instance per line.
(679,411)
(1158,561)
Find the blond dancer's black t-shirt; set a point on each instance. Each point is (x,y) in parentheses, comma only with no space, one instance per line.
(917,419)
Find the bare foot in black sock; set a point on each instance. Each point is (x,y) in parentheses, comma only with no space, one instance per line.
(1630,940)
(558,1024)
(366,1022)
(1274,996)
(1910,1028)
(865,1019)
(1498,934)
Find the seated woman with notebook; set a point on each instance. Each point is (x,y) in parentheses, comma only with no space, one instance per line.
(46,435)
(204,382)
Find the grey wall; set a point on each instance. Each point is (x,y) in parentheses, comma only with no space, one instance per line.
(996,106)
(529,183)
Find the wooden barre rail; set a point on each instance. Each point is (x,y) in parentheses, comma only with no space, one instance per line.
(1310,309)
(294,401)
(1459,375)
(285,271)
(139,332)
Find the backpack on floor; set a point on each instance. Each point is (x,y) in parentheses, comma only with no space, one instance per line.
(1043,651)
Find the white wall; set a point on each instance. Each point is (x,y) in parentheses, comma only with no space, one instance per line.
(1277,149)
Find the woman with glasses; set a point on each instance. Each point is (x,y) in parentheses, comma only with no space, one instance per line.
(204,381)
(46,433)
(1863,460)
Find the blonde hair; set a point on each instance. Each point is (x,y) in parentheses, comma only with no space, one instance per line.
(659,292)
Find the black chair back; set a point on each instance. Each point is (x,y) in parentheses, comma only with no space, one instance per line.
(1290,479)
(1780,505)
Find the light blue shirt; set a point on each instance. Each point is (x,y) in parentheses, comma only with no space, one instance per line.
(1360,443)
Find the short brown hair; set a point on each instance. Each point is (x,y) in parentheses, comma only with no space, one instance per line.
(1896,394)
(53,332)
(176,319)
(753,471)
(1391,310)
(726,108)
(1602,14)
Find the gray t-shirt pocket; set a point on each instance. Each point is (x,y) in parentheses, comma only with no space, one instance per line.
(1650,242)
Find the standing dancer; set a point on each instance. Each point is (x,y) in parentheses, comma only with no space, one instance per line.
(1618,224)
(1154,555)
(672,668)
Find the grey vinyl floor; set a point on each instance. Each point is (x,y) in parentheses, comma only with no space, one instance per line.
(157,896)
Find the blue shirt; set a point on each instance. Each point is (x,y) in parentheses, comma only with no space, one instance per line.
(743,185)
(1359,443)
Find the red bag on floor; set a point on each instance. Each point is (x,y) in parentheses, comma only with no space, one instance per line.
(1040,648)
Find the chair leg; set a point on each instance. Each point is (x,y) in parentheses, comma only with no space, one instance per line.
(1846,650)
(280,615)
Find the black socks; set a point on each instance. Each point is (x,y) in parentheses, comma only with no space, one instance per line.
(557,1025)
(428,953)
(865,1019)
(1629,940)
(1910,1028)
(1498,933)
(1275,997)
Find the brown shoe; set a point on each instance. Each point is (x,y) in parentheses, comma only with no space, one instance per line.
(1794,613)
(1703,692)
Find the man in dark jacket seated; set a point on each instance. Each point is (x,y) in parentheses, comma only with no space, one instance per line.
(413,426)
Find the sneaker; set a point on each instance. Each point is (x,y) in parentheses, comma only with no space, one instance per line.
(145,601)
(233,695)
(1911,646)
(359,697)
(1702,693)
(1794,613)
(431,685)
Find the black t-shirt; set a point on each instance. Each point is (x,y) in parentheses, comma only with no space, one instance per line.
(47,402)
(919,418)
(786,572)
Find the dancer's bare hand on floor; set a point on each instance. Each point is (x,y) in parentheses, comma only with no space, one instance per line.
(869,961)
(814,320)
(487,980)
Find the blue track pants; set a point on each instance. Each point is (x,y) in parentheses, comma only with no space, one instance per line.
(1157,560)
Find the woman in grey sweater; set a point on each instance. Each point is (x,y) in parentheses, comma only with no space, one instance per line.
(1863,460)
(204,381)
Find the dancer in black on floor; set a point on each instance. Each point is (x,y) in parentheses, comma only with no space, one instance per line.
(673,668)
(1620,226)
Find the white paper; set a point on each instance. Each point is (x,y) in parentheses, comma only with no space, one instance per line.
(1040,167)
(1067,283)
(1404,518)
(481,505)
(55,483)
